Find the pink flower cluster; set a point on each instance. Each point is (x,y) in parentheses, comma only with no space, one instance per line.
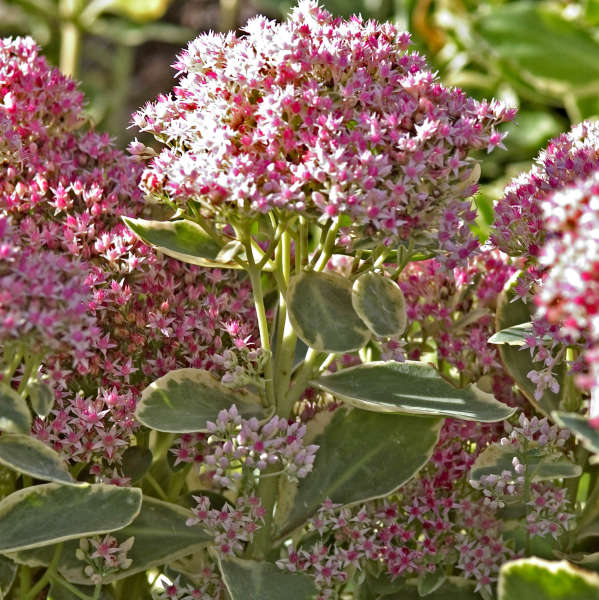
(233,441)
(519,228)
(154,314)
(209,586)
(43,301)
(104,556)
(547,504)
(455,311)
(324,117)
(548,214)
(230,527)
(435,522)
(569,293)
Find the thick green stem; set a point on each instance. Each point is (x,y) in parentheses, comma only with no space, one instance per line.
(45,579)
(70,36)
(256,280)
(327,247)
(267,491)
(57,579)
(286,348)
(304,374)
(24,581)
(229,15)
(97,591)
(176,483)
(156,486)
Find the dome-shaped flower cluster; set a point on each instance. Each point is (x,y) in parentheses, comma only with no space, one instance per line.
(323,117)
(154,313)
(519,227)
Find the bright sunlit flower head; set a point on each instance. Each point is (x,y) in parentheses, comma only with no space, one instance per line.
(322,117)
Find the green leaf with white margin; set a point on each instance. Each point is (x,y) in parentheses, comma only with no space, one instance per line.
(448,591)
(514,336)
(428,582)
(184,400)
(184,240)
(14,412)
(252,580)
(410,387)
(518,363)
(135,462)
(52,513)
(539,465)
(188,242)
(42,397)
(28,455)
(362,455)
(321,312)
(581,428)
(161,536)
(8,573)
(538,579)
(380,303)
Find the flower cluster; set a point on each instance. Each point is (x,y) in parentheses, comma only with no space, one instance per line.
(104,556)
(324,117)
(569,293)
(532,442)
(519,228)
(230,527)
(434,523)
(154,314)
(209,586)
(43,301)
(233,442)
(455,311)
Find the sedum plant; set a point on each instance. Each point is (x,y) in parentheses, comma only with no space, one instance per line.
(254,358)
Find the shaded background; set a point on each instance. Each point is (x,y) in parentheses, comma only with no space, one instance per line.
(542,57)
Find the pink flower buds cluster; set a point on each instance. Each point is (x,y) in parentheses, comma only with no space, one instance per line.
(104,556)
(230,527)
(65,191)
(520,227)
(233,441)
(324,117)
(455,310)
(43,300)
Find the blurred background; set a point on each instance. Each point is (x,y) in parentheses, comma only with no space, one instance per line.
(542,57)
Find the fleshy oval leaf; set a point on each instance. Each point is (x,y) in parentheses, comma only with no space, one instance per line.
(380,303)
(51,513)
(322,314)
(512,311)
(362,455)
(496,459)
(8,574)
(14,412)
(252,580)
(513,336)
(135,462)
(41,396)
(161,536)
(184,400)
(411,387)
(538,579)
(26,454)
(188,242)
(581,428)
